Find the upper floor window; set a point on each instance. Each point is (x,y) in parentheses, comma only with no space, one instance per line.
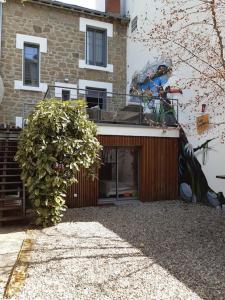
(31,65)
(96,97)
(96,51)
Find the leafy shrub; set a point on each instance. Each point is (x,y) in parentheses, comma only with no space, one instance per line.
(58,140)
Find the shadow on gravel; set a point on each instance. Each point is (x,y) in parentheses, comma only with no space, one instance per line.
(186,240)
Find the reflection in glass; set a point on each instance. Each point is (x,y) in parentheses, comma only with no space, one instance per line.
(119,173)
(31,65)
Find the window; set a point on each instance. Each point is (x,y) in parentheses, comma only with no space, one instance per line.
(65,95)
(96,47)
(96,97)
(65,91)
(134,24)
(31,65)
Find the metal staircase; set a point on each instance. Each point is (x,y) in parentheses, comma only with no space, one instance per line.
(12,192)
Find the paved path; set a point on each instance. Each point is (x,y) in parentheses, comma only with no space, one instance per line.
(11,239)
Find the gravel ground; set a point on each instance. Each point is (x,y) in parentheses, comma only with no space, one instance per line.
(162,250)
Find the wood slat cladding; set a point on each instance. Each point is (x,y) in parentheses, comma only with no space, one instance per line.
(84,193)
(158,170)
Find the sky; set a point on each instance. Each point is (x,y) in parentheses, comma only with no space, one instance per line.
(93,4)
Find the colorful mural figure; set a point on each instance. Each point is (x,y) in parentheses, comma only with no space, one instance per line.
(153,83)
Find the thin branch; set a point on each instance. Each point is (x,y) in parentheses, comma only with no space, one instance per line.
(218,32)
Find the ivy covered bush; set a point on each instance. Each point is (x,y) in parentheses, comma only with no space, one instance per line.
(57,142)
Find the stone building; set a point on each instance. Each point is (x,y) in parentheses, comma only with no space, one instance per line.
(51,49)
(46,43)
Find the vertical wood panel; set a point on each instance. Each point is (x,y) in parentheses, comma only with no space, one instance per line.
(84,193)
(158,171)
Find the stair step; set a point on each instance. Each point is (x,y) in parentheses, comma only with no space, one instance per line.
(10,190)
(8,162)
(14,207)
(10,175)
(8,137)
(10,169)
(5,168)
(4,141)
(8,183)
(8,199)
(8,144)
(11,218)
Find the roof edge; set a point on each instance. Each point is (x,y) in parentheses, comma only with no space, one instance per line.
(96,13)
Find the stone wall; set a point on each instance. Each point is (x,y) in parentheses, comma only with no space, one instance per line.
(66,45)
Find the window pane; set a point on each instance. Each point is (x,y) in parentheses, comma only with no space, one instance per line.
(108,174)
(99,48)
(90,47)
(65,95)
(127,173)
(119,173)
(96,97)
(31,65)
(96,47)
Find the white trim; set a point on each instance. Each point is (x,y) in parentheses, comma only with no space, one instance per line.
(93,23)
(18,85)
(124,130)
(83,65)
(83,84)
(65,86)
(42,42)
(109,31)
(21,39)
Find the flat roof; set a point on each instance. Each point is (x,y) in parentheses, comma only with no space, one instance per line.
(96,13)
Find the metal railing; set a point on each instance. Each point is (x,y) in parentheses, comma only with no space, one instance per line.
(105,107)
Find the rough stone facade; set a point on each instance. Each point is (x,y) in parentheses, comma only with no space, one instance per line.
(66,45)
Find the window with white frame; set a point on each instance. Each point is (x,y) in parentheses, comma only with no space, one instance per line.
(96,47)
(31,65)
(96,97)
(66,95)
(96,44)
(31,49)
(65,91)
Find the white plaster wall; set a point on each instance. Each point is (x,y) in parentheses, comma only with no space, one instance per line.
(138,54)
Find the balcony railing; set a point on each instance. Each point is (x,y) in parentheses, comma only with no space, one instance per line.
(105,107)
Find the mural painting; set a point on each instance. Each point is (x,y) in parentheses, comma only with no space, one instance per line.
(152,88)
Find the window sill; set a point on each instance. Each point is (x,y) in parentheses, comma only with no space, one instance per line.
(18,85)
(83,65)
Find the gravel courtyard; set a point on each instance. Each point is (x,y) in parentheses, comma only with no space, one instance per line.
(163,250)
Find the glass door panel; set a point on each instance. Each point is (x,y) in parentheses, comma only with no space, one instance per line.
(119,174)
(127,173)
(108,173)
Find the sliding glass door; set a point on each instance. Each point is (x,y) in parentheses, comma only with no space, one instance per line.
(119,175)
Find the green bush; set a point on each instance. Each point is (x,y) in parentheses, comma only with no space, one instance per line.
(58,140)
